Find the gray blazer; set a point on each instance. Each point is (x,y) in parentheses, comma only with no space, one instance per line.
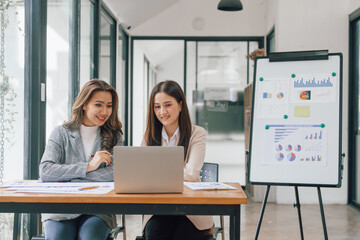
(64,160)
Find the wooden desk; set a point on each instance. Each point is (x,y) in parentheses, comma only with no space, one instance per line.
(223,202)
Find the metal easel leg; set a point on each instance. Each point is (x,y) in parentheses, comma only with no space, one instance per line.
(262,212)
(322,214)
(297,205)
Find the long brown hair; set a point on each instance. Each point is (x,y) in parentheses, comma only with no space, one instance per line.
(154,126)
(111,130)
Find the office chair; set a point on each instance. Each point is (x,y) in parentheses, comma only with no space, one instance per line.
(209,173)
(112,236)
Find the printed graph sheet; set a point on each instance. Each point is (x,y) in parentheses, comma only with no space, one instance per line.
(295,145)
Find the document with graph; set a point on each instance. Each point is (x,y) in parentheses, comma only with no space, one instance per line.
(208,186)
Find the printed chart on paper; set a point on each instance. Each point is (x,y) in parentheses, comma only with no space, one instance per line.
(295,145)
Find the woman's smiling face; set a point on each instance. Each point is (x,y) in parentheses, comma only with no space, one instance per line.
(98,109)
(167,110)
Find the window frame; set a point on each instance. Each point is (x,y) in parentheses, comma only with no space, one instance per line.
(113,42)
(35,80)
(354,59)
(270,38)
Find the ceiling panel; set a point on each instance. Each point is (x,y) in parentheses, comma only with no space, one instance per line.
(134,12)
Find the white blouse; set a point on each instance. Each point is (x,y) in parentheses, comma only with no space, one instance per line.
(88,136)
(173,140)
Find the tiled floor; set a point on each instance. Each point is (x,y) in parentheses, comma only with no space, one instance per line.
(280,222)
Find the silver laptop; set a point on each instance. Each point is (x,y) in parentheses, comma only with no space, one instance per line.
(148,169)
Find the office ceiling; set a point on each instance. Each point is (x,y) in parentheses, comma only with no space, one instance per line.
(161,51)
(134,12)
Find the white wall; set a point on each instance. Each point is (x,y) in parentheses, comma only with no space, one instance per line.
(178,20)
(57,66)
(324,25)
(272,16)
(353,5)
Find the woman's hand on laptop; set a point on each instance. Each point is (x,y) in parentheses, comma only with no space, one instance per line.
(98,158)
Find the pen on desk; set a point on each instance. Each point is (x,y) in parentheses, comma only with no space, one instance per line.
(88,188)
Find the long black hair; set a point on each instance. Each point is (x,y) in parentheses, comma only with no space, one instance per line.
(154,126)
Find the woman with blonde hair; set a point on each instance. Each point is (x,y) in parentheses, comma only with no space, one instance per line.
(80,150)
(169,124)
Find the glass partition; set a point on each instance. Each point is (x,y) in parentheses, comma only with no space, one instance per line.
(106,35)
(217,83)
(86,41)
(12,104)
(57,62)
(217,73)
(12,96)
(164,61)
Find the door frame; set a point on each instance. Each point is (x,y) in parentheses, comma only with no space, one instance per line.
(353,107)
(185,39)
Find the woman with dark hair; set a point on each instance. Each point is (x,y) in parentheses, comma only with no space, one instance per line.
(80,150)
(168,124)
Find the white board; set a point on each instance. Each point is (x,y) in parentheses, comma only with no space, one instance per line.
(296,122)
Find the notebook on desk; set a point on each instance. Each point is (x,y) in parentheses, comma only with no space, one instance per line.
(148,169)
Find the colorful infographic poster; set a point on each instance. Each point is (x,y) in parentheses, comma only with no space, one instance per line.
(274,98)
(313,88)
(295,145)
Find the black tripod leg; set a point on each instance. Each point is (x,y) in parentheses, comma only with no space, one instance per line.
(262,212)
(322,214)
(297,205)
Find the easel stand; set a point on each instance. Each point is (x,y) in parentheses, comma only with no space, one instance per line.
(297,205)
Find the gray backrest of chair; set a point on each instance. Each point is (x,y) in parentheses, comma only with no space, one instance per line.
(209,172)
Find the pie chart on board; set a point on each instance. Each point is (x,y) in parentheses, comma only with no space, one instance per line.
(291,157)
(288,148)
(279,147)
(279,156)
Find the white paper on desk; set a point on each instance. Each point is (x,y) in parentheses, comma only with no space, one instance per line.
(60,187)
(38,183)
(20,183)
(208,186)
(71,190)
